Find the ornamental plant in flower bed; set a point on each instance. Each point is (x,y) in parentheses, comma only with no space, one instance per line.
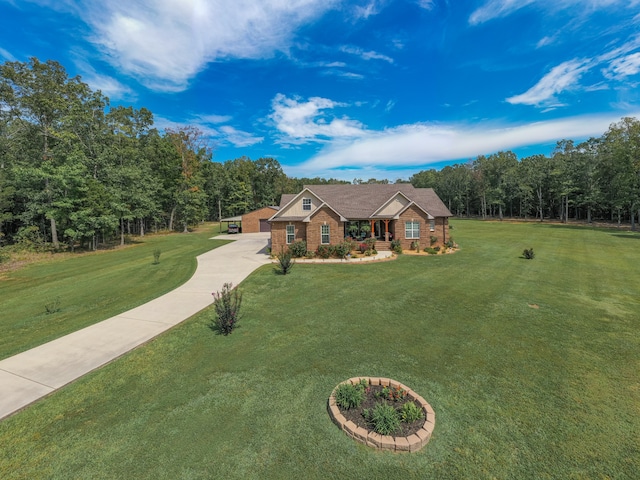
(385,410)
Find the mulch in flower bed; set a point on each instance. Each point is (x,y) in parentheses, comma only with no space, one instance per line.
(370,401)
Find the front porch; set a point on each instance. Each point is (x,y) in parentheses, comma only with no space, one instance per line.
(382,230)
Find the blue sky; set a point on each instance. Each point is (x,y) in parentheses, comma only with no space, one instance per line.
(350,89)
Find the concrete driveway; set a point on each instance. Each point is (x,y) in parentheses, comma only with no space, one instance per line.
(30,375)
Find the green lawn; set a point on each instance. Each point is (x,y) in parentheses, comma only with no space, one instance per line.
(519,392)
(93,287)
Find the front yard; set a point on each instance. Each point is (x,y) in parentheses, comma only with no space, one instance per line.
(530,365)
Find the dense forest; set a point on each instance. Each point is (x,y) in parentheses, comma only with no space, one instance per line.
(76,171)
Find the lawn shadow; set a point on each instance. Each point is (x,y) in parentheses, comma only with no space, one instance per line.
(629,236)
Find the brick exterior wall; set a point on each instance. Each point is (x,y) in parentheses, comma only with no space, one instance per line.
(325,216)
(310,232)
(279,234)
(251,220)
(415,214)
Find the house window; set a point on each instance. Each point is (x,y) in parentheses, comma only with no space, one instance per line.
(324,231)
(412,229)
(306,204)
(291,233)
(432,225)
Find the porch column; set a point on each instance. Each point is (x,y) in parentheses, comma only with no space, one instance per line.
(373,228)
(386,230)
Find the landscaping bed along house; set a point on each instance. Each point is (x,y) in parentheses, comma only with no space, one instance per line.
(382,413)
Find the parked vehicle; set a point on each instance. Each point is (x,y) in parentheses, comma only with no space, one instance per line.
(233,228)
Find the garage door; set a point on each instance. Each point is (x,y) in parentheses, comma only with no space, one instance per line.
(265,226)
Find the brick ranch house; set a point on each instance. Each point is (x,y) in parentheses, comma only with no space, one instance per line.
(327,214)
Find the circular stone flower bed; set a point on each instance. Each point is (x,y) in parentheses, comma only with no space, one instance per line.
(356,422)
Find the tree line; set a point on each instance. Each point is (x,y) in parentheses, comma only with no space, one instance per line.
(77,171)
(595,179)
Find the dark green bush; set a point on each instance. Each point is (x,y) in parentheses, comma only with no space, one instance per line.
(285,262)
(29,238)
(430,251)
(433,239)
(383,418)
(52,306)
(396,246)
(298,249)
(323,251)
(226,304)
(349,396)
(450,243)
(342,249)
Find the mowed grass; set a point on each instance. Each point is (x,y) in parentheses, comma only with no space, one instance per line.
(93,287)
(519,392)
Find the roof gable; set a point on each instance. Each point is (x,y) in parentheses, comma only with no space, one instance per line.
(393,206)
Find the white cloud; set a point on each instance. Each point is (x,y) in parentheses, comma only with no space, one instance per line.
(497,9)
(544,41)
(212,118)
(366,55)
(238,138)
(623,67)
(307,121)
(109,86)
(562,77)
(7,55)
(341,73)
(371,8)
(165,43)
(208,124)
(493,9)
(422,144)
(426,4)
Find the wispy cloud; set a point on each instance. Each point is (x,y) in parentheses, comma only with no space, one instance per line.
(426,4)
(493,9)
(364,54)
(165,43)
(238,138)
(109,86)
(422,144)
(545,41)
(211,118)
(7,55)
(300,121)
(559,79)
(210,126)
(372,7)
(497,9)
(623,67)
(619,63)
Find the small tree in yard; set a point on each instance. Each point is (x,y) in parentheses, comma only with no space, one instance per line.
(285,262)
(227,306)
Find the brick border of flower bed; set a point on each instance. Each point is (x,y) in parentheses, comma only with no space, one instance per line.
(412,443)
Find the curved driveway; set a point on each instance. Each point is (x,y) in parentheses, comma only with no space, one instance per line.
(30,375)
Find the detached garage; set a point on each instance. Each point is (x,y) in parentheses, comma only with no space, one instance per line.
(257,221)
